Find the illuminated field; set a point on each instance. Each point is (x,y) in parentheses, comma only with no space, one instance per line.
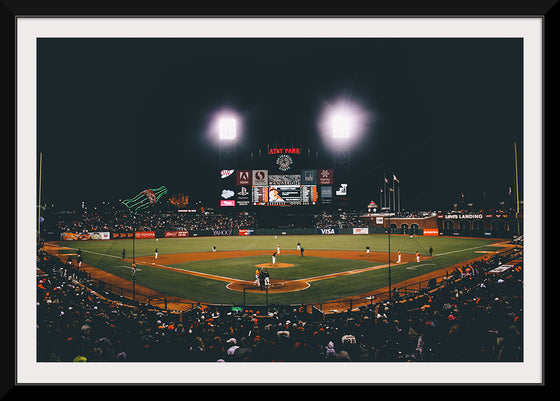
(334,266)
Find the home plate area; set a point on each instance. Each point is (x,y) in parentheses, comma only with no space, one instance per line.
(275,286)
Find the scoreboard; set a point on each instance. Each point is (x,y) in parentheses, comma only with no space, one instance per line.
(285,179)
(260,188)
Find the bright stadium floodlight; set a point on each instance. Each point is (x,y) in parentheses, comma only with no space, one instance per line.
(227,128)
(340,126)
(225,131)
(342,123)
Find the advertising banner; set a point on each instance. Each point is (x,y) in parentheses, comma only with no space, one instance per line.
(244,177)
(100,235)
(122,235)
(230,202)
(342,190)
(246,231)
(244,196)
(327,231)
(69,236)
(260,177)
(288,179)
(325,177)
(220,233)
(326,194)
(144,234)
(225,173)
(360,230)
(85,236)
(227,193)
(176,234)
(309,177)
(431,232)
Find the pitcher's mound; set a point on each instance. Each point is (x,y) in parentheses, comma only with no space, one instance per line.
(274,265)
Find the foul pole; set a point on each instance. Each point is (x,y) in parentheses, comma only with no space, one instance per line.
(39,208)
(389,246)
(516,187)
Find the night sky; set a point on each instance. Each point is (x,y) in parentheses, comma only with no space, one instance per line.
(117,116)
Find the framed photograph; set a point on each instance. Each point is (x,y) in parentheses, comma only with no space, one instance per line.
(450,101)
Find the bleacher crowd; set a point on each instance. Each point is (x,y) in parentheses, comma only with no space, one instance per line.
(119,220)
(122,221)
(476,317)
(337,220)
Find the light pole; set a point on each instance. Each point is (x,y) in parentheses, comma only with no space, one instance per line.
(133,282)
(342,124)
(389,246)
(227,135)
(224,128)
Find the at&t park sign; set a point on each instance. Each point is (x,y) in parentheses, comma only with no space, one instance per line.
(284,151)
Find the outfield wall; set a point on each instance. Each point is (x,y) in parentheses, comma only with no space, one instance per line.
(67,236)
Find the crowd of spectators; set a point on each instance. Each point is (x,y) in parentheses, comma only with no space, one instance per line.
(87,220)
(477,317)
(337,220)
(115,220)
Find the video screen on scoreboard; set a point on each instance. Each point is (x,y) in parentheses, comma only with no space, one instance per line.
(283,195)
(292,195)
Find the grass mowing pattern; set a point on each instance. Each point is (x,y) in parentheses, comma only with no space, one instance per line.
(447,251)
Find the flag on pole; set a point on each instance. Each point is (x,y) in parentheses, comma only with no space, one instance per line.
(144,199)
(395,178)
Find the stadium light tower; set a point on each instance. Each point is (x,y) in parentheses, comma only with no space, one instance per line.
(342,124)
(225,129)
(227,134)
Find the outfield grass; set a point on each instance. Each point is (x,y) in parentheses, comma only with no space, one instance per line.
(447,251)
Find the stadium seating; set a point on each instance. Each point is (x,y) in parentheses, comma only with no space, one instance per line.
(478,317)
